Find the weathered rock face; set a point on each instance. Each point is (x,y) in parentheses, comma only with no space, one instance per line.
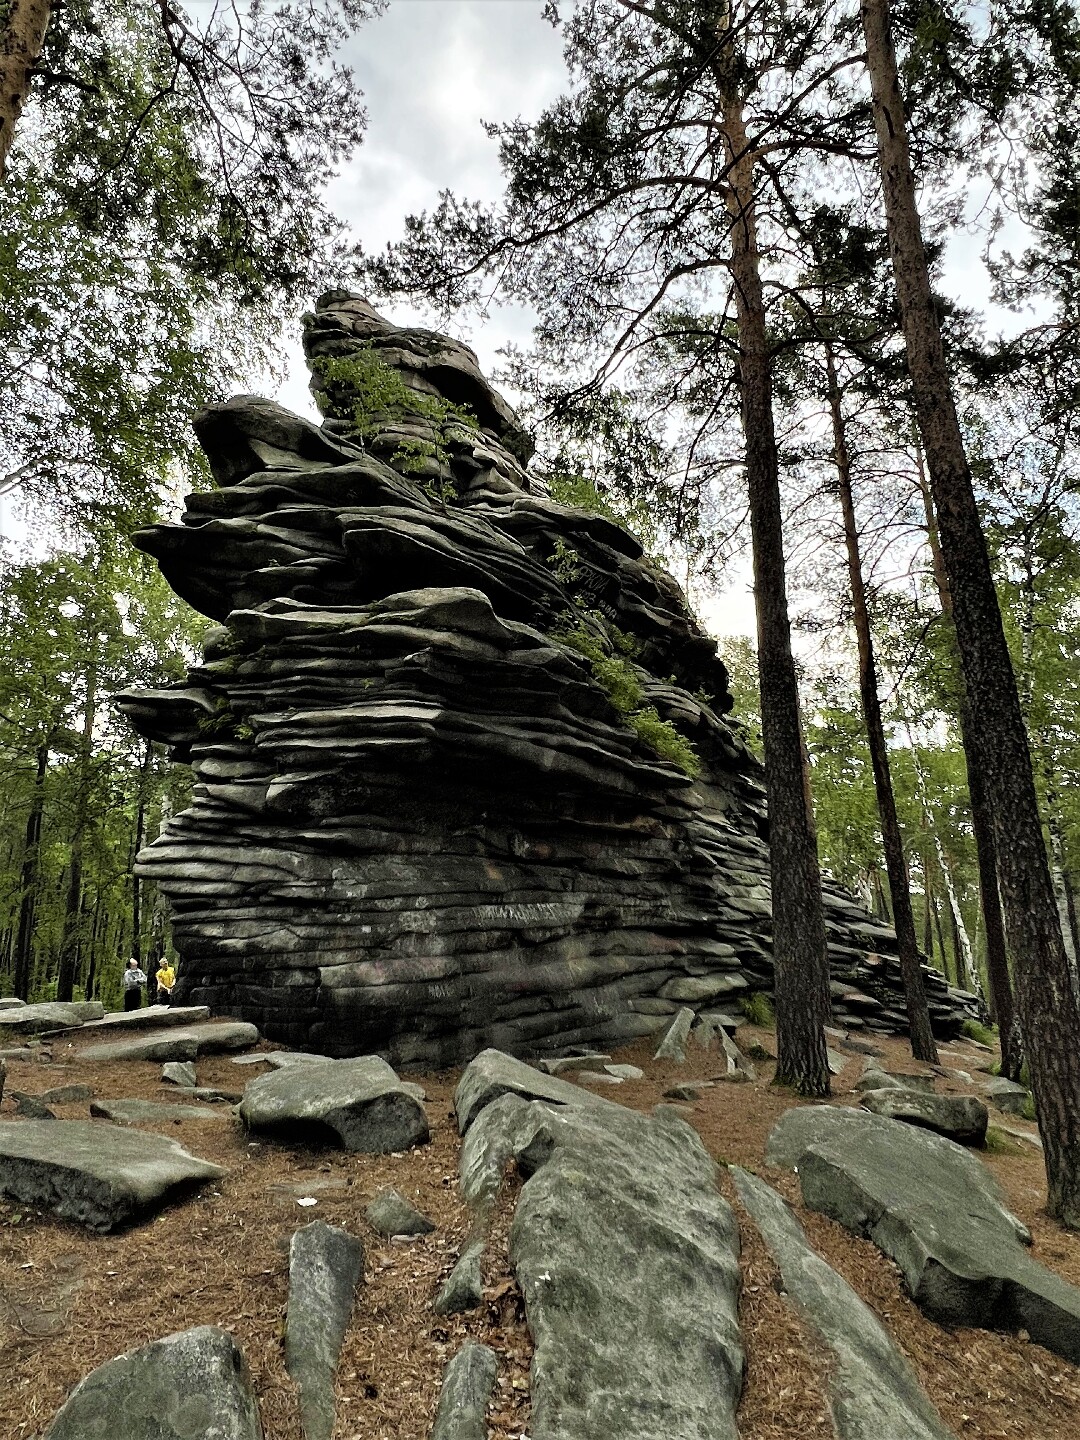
(441,740)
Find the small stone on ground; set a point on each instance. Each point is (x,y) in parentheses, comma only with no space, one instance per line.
(466,1390)
(391,1214)
(463,1289)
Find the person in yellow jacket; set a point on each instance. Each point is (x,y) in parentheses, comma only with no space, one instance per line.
(166,979)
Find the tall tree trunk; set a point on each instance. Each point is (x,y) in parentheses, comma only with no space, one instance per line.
(1057,852)
(966,972)
(953,978)
(928,923)
(140,830)
(91,969)
(21,39)
(997,958)
(1048,1006)
(803,1003)
(69,945)
(30,878)
(922,1037)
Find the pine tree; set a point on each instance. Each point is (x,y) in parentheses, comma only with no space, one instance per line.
(1049,1013)
(635,194)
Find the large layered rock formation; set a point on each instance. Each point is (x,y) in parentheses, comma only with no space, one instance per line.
(462,771)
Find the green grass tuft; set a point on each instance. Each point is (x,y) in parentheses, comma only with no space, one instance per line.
(758,1010)
(998,1143)
(983,1034)
(666,741)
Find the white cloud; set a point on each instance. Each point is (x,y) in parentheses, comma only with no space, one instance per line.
(432,72)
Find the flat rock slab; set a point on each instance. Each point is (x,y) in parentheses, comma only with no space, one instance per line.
(148,1112)
(10,1002)
(325,1267)
(962,1118)
(563,1063)
(466,1390)
(153,1017)
(101,1176)
(191,1386)
(362,1101)
(210,1094)
(873,1392)
(936,1210)
(627,1257)
(52,1015)
(66,1095)
(875,1079)
(493,1074)
(625,1072)
(212,1038)
(673,1045)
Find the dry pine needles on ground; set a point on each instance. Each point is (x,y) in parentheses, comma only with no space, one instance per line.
(69,1301)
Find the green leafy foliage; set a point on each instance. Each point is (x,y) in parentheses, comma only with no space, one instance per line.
(364,389)
(162,209)
(581,493)
(618,678)
(74,629)
(666,740)
(565,562)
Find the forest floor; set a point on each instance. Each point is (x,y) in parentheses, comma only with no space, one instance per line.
(70,1301)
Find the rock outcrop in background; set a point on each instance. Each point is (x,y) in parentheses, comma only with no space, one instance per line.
(462,772)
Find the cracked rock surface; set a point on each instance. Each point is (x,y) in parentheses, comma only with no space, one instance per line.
(627,1256)
(936,1210)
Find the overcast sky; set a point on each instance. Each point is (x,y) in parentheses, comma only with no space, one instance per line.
(432,71)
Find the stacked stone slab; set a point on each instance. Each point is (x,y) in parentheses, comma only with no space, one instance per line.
(420,825)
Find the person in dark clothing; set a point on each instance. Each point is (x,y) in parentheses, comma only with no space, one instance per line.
(134,980)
